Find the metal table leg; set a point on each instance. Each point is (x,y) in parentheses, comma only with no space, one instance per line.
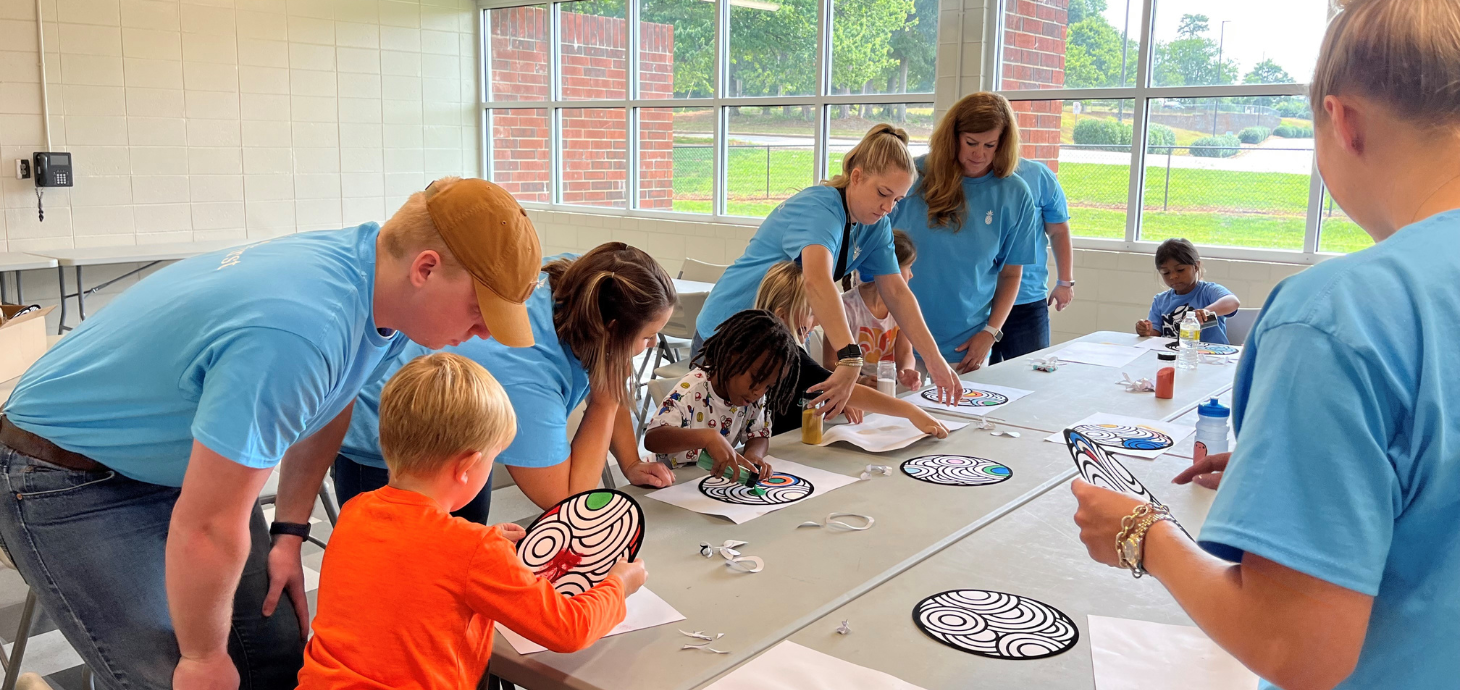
(80,296)
(61,278)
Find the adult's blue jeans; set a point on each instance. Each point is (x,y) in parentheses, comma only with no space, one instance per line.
(93,547)
(1025,331)
(353,478)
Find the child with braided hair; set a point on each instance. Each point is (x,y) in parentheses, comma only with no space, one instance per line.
(742,375)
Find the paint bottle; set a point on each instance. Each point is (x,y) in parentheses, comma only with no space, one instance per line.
(887,377)
(1211,428)
(1165,383)
(810,423)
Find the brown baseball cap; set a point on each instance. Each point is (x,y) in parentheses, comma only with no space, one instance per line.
(493,239)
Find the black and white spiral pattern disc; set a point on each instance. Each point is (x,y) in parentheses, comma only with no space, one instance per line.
(956,470)
(996,624)
(1130,437)
(972,397)
(780,488)
(578,541)
(1217,349)
(1097,466)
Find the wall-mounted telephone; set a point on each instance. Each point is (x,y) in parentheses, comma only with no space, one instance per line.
(53,170)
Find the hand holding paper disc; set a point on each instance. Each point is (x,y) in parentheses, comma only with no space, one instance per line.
(578,541)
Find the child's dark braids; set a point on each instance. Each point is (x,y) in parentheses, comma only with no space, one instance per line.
(756,340)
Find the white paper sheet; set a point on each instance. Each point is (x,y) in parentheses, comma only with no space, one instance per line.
(1137,655)
(645,610)
(1012,394)
(1177,432)
(1100,354)
(790,666)
(880,433)
(687,495)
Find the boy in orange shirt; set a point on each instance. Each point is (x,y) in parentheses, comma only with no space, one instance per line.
(408,594)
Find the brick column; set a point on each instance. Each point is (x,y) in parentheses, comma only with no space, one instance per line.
(1034,58)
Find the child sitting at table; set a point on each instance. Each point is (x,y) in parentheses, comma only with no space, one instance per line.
(746,367)
(1180,268)
(873,327)
(408,594)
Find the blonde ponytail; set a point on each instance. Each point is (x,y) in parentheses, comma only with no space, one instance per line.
(883,148)
(1403,53)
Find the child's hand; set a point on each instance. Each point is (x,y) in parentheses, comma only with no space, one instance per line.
(928,425)
(725,456)
(1205,315)
(762,465)
(910,378)
(868,381)
(512,532)
(631,573)
(1144,328)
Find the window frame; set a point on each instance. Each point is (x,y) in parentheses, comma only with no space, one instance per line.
(1143,93)
(822,100)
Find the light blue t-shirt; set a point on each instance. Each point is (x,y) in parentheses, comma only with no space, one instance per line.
(1169,308)
(1347,464)
(247,350)
(958,269)
(813,216)
(1049,198)
(544,382)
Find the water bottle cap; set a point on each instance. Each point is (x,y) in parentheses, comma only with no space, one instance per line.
(1213,409)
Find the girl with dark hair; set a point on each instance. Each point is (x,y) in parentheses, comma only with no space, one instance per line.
(1180,268)
(590,315)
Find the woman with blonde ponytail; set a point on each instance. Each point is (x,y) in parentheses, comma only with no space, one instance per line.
(1329,558)
(590,316)
(974,223)
(832,229)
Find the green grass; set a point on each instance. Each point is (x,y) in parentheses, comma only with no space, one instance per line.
(1211,207)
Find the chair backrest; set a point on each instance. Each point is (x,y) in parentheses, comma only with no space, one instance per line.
(701,271)
(659,389)
(1239,325)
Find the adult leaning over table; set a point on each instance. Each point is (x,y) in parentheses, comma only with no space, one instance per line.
(832,229)
(974,223)
(133,452)
(590,316)
(1330,555)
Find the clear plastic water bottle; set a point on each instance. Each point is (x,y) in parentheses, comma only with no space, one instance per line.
(1188,355)
(887,377)
(1211,428)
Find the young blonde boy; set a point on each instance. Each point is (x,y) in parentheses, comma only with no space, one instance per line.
(408,594)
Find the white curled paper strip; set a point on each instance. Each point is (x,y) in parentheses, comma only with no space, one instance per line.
(746,564)
(733,560)
(1046,364)
(843,628)
(883,470)
(700,635)
(1136,385)
(706,645)
(833,523)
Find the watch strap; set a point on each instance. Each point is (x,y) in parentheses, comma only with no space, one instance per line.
(852,351)
(293,529)
(1065,283)
(998,334)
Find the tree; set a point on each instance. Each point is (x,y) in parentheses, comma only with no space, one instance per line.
(1191,60)
(1080,10)
(1193,26)
(861,45)
(914,50)
(1267,72)
(1093,55)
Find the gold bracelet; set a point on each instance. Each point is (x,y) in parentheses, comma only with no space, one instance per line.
(1130,543)
(851,362)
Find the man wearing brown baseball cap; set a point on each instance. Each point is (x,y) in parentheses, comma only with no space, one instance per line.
(152,428)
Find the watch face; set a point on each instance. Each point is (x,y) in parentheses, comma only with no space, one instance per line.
(1130,550)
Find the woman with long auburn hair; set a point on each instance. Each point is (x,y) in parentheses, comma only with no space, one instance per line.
(1330,557)
(590,316)
(973,221)
(833,229)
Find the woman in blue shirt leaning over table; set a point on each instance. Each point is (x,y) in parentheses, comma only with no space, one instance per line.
(590,316)
(832,229)
(973,221)
(1330,556)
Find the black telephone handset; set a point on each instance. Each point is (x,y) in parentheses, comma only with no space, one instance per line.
(53,170)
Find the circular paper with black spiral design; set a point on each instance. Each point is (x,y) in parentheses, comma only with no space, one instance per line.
(1130,437)
(972,397)
(579,540)
(780,488)
(956,470)
(996,624)
(1097,466)
(1216,349)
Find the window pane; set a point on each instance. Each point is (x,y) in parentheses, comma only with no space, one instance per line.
(676,48)
(883,46)
(593,54)
(850,122)
(772,48)
(677,159)
(1090,45)
(1087,145)
(520,153)
(1339,234)
(519,59)
(1208,42)
(1246,187)
(594,166)
(769,157)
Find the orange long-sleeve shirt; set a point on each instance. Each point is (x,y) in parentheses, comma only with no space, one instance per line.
(408,596)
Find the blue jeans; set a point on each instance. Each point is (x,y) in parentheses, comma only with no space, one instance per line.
(1025,331)
(353,479)
(92,546)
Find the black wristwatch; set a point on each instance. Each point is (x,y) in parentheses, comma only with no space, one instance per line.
(293,529)
(849,352)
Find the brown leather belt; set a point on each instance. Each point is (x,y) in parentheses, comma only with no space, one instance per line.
(26,443)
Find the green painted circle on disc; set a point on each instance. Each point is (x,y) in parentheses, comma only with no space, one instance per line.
(599,499)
